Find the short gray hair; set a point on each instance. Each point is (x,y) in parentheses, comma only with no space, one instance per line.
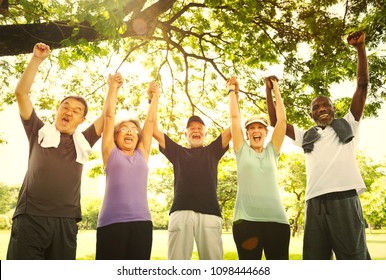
(134,121)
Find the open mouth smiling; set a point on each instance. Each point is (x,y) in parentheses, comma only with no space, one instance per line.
(324,116)
(65,120)
(196,136)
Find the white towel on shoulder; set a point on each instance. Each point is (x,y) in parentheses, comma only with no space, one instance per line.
(83,148)
(49,137)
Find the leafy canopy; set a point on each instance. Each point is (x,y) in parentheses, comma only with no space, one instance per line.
(192,47)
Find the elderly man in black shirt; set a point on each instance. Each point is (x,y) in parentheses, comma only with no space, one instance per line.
(48,209)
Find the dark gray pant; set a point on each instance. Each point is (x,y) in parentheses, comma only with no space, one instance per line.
(42,238)
(335,224)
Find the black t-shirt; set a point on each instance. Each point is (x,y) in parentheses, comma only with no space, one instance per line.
(51,186)
(195,176)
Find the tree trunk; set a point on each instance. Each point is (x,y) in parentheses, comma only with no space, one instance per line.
(21,38)
(296,228)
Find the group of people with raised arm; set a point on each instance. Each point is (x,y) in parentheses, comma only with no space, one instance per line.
(48,208)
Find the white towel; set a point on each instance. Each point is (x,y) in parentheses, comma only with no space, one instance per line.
(49,137)
(83,148)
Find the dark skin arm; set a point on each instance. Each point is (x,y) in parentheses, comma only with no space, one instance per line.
(358,101)
(290,132)
(357,40)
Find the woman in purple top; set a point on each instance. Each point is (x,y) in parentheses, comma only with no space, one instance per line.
(124,229)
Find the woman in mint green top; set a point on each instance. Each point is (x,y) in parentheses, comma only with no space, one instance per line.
(260,222)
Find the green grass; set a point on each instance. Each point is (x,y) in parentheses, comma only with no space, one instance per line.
(87,240)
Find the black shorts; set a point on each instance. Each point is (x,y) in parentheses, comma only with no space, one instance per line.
(42,238)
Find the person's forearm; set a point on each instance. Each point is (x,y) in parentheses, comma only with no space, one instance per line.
(234,108)
(157,133)
(151,117)
(111,102)
(148,127)
(362,67)
(280,109)
(271,107)
(26,80)
(108,111)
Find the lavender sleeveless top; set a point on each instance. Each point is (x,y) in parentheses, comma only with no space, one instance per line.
(125,197)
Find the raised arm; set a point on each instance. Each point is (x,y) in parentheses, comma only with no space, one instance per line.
(23,88)
(157,134)
(114,83)
(270,103)
(99,123)
(226,137)
(234,111)
(358,101)
(151,119)
(290,132)
(281,120)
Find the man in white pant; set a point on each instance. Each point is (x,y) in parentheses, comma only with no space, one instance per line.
(195,213)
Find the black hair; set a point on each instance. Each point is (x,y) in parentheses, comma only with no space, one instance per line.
(80,99)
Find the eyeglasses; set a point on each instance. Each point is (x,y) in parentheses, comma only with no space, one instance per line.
(75,111)
(128,130)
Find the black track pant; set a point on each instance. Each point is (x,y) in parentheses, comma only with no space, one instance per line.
(125,241)
(252,238)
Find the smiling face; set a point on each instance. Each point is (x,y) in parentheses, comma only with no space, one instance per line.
(195,134)
(322,111)
(256,134)
(127,136)
(70,114)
